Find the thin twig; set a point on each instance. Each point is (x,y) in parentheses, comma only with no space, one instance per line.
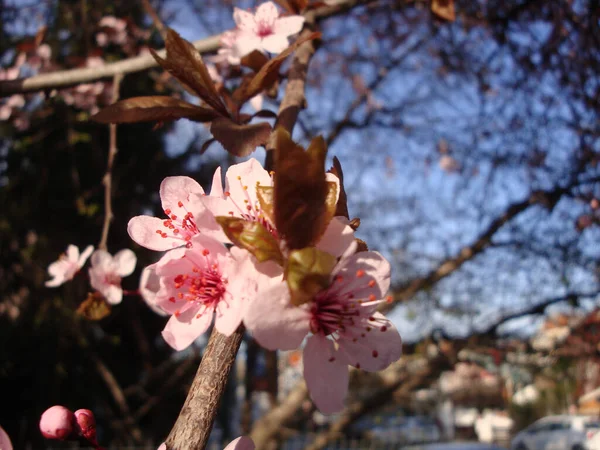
(107,180)
(158,23)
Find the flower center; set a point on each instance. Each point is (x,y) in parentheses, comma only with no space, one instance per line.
(183,228)
(332,312)
(264,29)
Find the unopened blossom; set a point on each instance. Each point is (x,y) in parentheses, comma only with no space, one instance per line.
(57,422)
(240,199)
(241,443)
(200,282)
(5,443)
(68,265)
(264,30)
(107,271)
(86,423)
(185,214)
(342,320)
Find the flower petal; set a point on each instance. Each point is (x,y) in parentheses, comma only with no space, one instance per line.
(266,14)
(85,255)
(274,322)
(287,26)
(338,237)
(256,102)
(371,266)
(72,253)
(244,43)
(275,43)
(229,317)
(142,229)
(241,443)
(102,260)
(149,287)
(176,190)
(181,331)
(375,349)
(244,20)
(5,443)
(249,174)
(216,189)
(112,293)
(125,261)
(326,377)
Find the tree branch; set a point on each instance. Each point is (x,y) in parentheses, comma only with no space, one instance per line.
(194,424)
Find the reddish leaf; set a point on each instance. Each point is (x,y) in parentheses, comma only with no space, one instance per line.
(156,108)
(342,204)
(444,9)
(301,191)
(255,60)
(185,63)
(206,145)
(269,73)
(252,236)
(240,140)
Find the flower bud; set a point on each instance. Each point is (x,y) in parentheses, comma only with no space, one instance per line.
(87,424)
(57,422)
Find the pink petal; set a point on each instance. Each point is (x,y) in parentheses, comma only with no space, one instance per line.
(113,294)
(274,322)
(216,189)
(149,287)
(85,255)
(275,43)
(244,20)
(241,443)
(256,102)
(249,173)
(374,267)
(57,422)
(266,13)
(229,316)
(326,377)
(287,26)
(375,349)
(245,43)
(142,229)
(102,260)
(72,253)
(163,446)
(338,237)
(181,331)
(125,261)
(179,189)
(5,443)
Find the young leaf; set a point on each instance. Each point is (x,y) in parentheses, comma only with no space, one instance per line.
(308,272)
(444,9)
(253,237)
(269,73)
(240,140)
(94,307)
(156,108)
(265,199)
(185,63)
(342,203)
(254,60)
(300,190)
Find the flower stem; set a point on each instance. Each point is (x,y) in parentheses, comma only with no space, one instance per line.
(194,424)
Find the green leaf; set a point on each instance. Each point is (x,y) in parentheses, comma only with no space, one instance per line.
(308,272)
(252,236)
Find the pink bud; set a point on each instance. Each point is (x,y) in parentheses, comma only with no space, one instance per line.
(57,422)
(87,424)
(5,440)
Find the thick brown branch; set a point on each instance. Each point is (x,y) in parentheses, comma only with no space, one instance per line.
(194,424)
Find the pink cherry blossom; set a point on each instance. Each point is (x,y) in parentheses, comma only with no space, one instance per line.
(5,443)
(149,287)
(86,422)
(239,199)
(67,265)
(343,322)
(264,31)
(106,273)
(57,422)
(186,216)
(241,443)
(200,282)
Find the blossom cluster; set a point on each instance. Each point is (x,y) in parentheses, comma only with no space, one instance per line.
(202,276)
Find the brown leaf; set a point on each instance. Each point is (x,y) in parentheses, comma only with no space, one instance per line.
(185,63)
(300,190)
(252,236)
(269,73)
(254,60)
(444,9)
(342,204)
(156,108)
(307,272)
(94,307)
(240,140)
